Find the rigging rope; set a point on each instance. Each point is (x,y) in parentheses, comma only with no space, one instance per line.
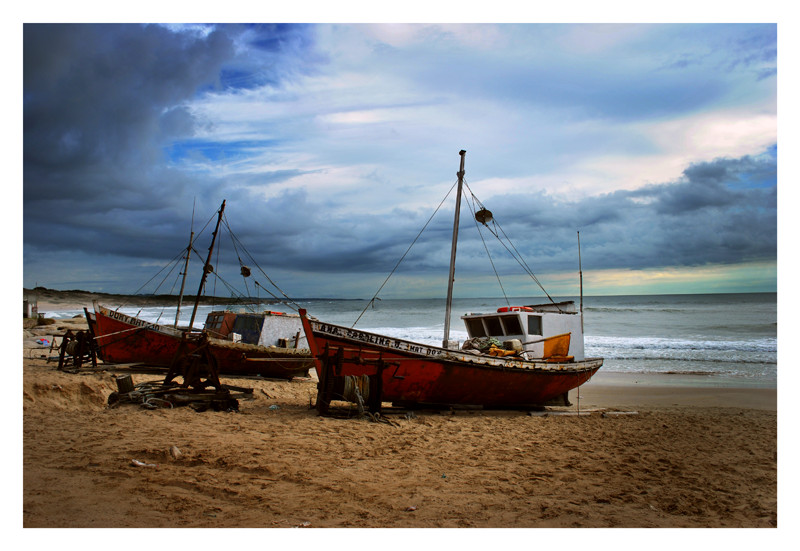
(404,254)
(170,262)
(291,303)
(515,254)
(236,296)
(238,257)
(216,273)
(175,262)
(478,226)
(172,289)
(156,274)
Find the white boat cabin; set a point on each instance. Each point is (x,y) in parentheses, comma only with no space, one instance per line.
(530,325)
(264,329)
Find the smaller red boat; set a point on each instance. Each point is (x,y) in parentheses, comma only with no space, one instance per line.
(127,339)
(266,344)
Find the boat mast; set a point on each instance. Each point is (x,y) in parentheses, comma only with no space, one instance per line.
(207,268)
(183,282)
(451,277)
(580,272)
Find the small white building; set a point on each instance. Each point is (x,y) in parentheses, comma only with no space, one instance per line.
(30,309)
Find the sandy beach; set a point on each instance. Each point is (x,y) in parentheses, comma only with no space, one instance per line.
(631,452)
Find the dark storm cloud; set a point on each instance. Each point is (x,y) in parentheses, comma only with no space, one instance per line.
(104,107)
(721,183)
(100,101)
(299,233)
(130,129)
(96,93)
(718,212)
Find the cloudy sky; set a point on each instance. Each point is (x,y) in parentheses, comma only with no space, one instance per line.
(333,144)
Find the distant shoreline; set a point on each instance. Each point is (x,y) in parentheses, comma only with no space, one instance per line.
(50,298)
(75,299)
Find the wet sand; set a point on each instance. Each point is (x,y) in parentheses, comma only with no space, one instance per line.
(644,452)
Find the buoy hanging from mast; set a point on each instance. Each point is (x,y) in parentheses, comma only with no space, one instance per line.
(484,216)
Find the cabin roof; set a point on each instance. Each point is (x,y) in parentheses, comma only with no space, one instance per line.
(564,307)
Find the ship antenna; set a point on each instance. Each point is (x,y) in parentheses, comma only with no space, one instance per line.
(580,273)
(207,268)
(185,267)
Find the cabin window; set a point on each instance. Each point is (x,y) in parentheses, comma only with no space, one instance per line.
(534,325)
(214,322)
(494,326)
(248,323)
(475,328)
(512,325)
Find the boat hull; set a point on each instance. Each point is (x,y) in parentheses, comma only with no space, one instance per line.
(127,339)
(415,374)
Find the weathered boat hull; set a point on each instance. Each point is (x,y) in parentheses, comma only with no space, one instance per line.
(413,374)
(126,339)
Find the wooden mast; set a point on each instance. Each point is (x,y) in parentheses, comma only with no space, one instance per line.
(451,277)
(183,282)
(580,272)
(207,267)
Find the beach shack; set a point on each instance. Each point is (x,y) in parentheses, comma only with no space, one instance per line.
(30,309)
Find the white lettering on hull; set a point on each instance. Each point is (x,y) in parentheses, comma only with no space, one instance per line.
(129,320)
(378,340)
(440,353)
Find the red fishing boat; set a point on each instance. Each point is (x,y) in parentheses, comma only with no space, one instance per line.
(266,344)
(128,339)
(383,369)
(516,357)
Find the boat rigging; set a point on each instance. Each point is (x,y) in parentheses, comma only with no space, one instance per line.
(266,343)
(518,356)
(482,217)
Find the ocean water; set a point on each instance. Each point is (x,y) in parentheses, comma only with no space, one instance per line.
(731,336)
